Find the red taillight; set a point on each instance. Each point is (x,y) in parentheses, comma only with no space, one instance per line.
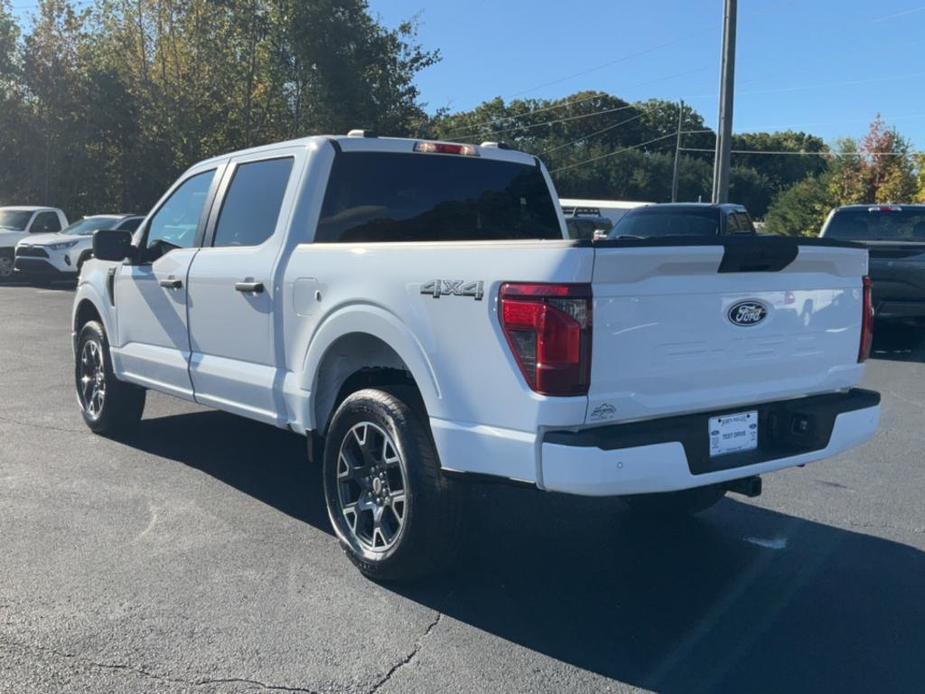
(867,322)
(548,327)
(446,148)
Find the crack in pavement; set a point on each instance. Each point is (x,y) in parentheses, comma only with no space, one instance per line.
(408,658)
(152,675)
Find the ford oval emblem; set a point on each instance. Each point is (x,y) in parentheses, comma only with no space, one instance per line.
(746,313)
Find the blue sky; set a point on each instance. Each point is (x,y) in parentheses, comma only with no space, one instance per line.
(822,66)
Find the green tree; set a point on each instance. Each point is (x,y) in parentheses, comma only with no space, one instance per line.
(801,209)
(13,113)
(342,69)
(785,169)
(920,178)
(114,101)
(59,164)
(880,169)
(750,188)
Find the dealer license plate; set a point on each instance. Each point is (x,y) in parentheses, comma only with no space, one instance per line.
(733,433)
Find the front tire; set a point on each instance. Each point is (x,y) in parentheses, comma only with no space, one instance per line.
(109,406)
(396,515)
(687,502)
(6,264)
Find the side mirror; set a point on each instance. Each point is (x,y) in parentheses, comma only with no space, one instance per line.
(109,244)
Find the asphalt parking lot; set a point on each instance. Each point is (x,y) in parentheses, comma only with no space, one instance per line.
(197,557)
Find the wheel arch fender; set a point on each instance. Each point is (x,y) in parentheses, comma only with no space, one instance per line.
(89,302)
(381,338)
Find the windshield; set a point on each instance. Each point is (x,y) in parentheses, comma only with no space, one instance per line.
(14,220)
(86,227)
(878,224)
(654,221)
(375,196)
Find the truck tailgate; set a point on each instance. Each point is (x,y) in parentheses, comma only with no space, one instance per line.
(687,327)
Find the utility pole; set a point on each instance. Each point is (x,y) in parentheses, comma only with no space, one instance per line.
(723,159)
(677,154)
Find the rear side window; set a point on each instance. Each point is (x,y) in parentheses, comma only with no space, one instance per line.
(745,223)
(253,202)
(732,223)
(584,228)
(46,222)
(375,196)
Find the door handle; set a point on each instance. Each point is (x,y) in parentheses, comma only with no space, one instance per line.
(171,283)
(249,286)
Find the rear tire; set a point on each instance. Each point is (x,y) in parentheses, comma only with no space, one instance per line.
(687,502)
(109,406)
(396,515)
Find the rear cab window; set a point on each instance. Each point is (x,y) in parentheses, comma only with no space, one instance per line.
(653,222)
(877,223)
(388,196)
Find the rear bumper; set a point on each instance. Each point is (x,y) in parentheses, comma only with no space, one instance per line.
(671,454)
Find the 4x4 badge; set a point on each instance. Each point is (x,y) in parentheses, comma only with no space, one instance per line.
(438,288)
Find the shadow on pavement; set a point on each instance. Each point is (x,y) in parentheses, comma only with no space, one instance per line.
(267,463)
(896,342)
(740,599)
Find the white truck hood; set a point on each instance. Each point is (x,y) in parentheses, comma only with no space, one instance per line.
(8,238)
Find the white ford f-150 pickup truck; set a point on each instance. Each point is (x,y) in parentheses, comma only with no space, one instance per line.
(415,310)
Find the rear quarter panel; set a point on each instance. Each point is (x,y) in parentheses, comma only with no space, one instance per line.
(463,364)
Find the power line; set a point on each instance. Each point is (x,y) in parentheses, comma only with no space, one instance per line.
(606,111)
(621,59)
(896,15)
(611,154)
(573,102)
(846,83)
(809,154)
(596,133)
(548,122)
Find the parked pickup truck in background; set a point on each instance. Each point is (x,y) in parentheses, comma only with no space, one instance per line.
(416,311)
(895,237)
(684,219)
(18,223)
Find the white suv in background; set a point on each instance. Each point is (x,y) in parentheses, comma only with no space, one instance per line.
(64,253)
(17,223)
